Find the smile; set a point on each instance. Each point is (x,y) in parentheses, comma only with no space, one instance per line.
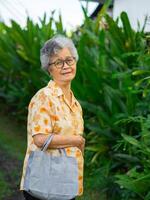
(66,73)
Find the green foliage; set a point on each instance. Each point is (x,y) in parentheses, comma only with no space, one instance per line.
(116,106)
(20,73)
(112,84)
(136,178)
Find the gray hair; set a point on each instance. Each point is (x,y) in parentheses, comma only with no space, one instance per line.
(53,46)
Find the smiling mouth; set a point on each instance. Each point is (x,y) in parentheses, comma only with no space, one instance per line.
(66,73)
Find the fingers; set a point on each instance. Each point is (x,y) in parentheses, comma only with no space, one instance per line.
(82,145)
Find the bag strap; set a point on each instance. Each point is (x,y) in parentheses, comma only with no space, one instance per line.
(48,141)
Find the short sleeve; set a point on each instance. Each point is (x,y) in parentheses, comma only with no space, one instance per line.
(80,108)
(40,111)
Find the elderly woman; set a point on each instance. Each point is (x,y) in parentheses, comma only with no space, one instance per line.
(55,110)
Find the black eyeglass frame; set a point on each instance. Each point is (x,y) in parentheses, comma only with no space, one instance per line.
(63,62)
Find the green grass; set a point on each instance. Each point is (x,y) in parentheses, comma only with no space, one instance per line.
(4,186)
(12,136)
(13,145)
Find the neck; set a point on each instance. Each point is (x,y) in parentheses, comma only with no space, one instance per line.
(65,86)
(66,90)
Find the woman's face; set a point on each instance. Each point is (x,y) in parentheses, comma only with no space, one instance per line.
(63,71)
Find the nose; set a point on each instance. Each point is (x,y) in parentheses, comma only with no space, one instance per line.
(65,66)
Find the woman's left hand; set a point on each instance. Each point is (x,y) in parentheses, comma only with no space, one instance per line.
(82,147)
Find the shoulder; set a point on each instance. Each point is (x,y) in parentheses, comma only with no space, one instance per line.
(77,102)
(41,96)
(44,92)
(79,105)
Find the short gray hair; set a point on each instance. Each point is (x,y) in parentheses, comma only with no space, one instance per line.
(53,46)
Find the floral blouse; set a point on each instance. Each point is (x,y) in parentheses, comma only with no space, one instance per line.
(50,112)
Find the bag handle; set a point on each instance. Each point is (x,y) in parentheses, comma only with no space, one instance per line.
(48,141)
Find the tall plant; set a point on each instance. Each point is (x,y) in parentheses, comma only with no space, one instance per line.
(113,104)
(20,75)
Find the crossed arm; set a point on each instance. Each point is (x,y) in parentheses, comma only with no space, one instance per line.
(61,141)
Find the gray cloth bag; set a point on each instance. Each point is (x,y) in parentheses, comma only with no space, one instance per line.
(51,177)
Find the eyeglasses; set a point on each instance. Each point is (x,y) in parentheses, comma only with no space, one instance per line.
(60,63)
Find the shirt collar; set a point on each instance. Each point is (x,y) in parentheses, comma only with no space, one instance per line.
(57,91)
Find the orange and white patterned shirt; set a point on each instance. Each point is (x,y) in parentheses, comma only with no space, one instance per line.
(50,112)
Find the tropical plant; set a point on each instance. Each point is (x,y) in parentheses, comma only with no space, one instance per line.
(114,103)
(112,84)
(20,73)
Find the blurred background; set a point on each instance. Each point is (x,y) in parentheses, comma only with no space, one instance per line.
(112,85)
